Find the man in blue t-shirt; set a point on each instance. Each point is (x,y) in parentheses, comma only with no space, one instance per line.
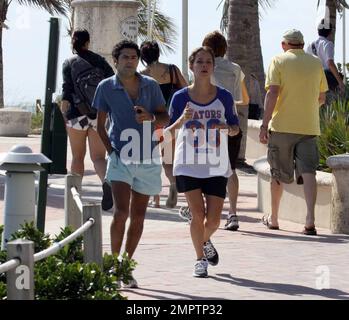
(134,104)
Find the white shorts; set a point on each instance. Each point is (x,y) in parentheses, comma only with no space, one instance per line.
(82,123)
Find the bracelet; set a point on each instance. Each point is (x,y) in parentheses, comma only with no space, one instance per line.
(263,127)
(154,118)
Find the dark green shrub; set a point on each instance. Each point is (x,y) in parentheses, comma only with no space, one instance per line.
(334,139)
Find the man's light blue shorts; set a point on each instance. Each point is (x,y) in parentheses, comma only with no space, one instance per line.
(143,178)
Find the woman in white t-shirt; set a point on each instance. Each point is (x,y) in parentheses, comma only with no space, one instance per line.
(203,116)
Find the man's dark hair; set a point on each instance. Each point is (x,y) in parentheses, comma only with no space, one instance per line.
(323,29)
(124,44)
(216,41)
(150,52)
(79,39)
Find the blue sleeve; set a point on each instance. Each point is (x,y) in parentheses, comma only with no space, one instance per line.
(228,102)
(177,106)
(99,101)
(157,96)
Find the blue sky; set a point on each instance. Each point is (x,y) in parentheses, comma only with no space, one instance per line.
(25,44)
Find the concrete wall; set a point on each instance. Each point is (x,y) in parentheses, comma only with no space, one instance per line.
(292,206)
(254,149)
(14,122)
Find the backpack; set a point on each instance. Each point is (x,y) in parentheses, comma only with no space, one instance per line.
(86,78)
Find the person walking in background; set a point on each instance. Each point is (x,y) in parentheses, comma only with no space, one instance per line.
(296,87)
(324,50)
(195,112)
(76,108)
(170,80)
(134,104)
(255,107)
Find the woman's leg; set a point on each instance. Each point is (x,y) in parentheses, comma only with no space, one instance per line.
(97,153)
(214,206)
(197,227)
(77,139)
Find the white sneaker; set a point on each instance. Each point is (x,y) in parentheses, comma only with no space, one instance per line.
(200,268)
(185,214)
(232,222)
(211,253)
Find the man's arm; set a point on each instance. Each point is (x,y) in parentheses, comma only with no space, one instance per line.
(269,106)
(102,132)
(334,70)
(322,98)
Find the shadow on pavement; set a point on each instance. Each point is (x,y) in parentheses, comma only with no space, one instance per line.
(176,295)
(319,238)
(281,288)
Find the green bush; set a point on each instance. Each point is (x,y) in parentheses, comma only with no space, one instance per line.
(334,122)
(65,276)
(37,120)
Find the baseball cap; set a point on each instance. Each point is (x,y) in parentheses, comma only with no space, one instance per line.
(293,36)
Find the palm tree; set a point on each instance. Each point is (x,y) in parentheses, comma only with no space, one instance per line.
(334,6)
(240,22)
(52,6)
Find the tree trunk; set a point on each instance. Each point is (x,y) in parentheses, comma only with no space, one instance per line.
(243,39)
(3,13)
(331,4)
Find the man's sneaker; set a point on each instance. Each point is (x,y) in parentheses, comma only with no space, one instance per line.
(232,222)
(132,283)
(200,268)
(211,253)
(185,214)
(107,200)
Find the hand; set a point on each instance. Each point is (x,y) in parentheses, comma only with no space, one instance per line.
(187,114)
(263,135)
(142,114)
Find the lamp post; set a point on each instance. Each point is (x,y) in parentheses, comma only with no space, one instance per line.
(344,45)
(185,39)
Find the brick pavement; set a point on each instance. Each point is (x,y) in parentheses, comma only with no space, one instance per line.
(255,263)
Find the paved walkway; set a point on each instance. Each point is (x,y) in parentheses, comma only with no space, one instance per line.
(255,263)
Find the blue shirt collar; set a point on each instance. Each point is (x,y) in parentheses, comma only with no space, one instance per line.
(118,85)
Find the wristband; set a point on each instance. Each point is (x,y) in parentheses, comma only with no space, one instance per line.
(154,118)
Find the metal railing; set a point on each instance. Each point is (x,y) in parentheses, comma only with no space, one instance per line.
(85,219)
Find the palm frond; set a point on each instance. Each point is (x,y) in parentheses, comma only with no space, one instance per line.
(164,29)
(51,6)
(340,4)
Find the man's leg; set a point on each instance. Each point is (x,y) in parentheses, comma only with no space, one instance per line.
(276,189)
(139,204)
(310,192)
(121,195)
(233,191)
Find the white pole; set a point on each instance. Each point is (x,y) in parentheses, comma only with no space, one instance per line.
(344,45)
(149,20)
(185,39)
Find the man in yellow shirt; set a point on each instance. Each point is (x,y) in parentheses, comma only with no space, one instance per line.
(296,87)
